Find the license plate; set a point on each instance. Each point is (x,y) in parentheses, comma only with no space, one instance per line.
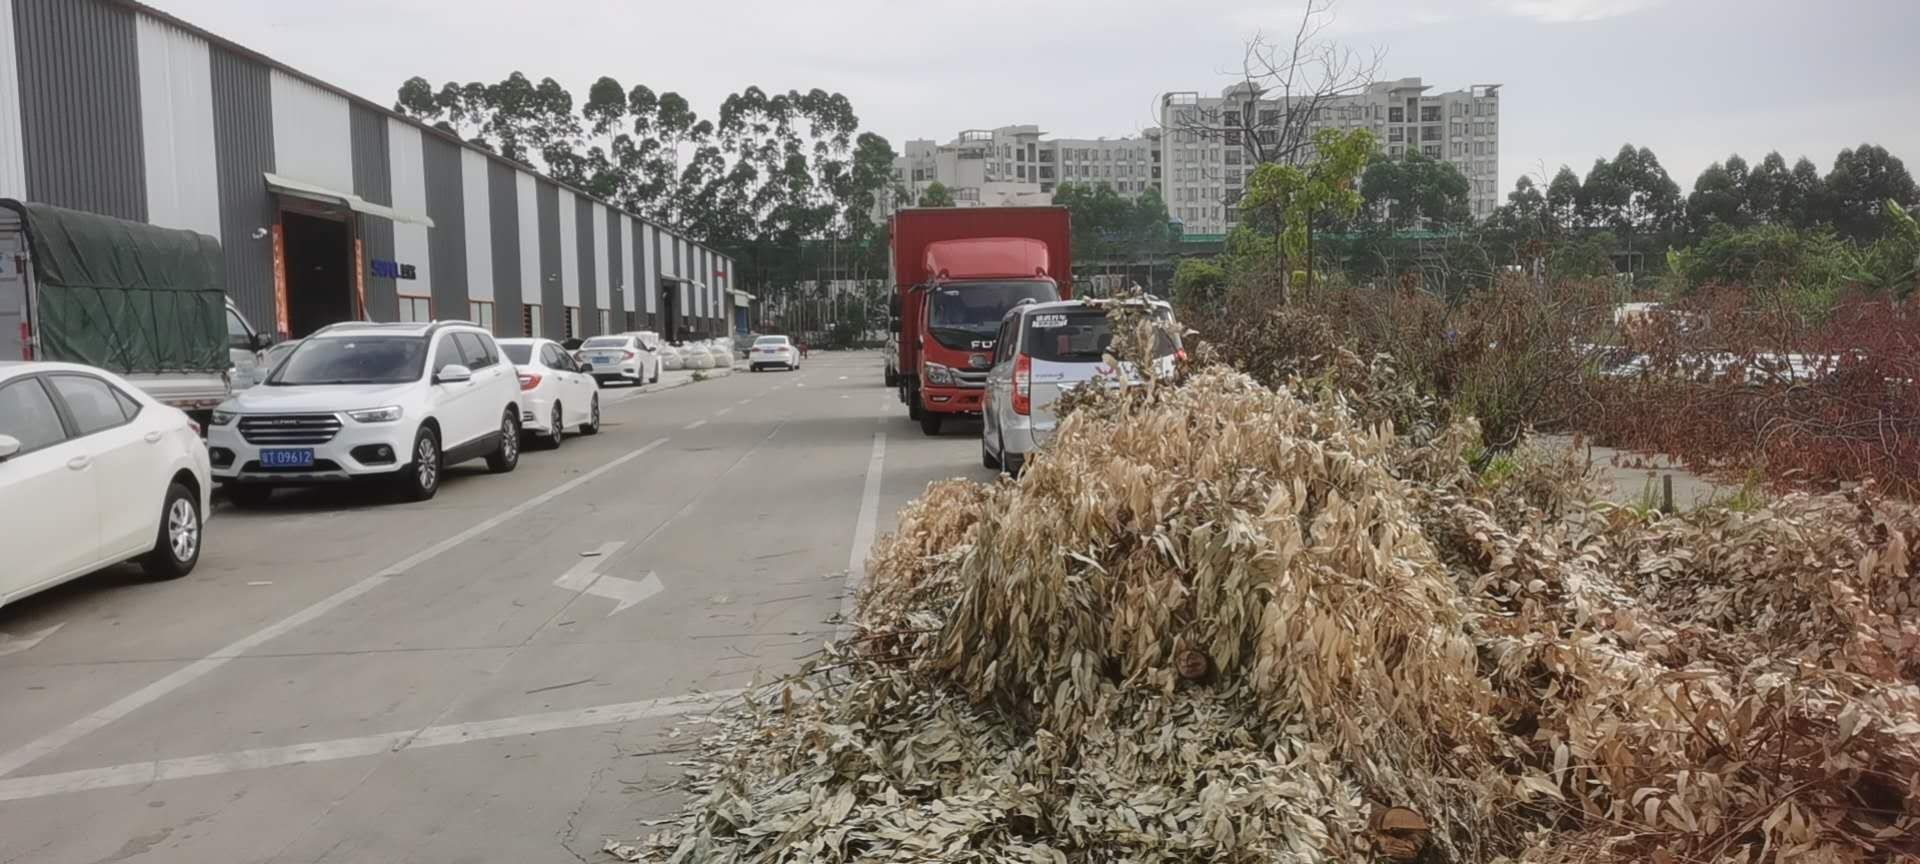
(602,359)
(301,458)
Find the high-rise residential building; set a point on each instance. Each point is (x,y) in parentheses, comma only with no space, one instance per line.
(1212,144)
(1019,165)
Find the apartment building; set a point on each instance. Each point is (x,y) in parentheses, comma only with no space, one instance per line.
(1020,166)
(1208,153)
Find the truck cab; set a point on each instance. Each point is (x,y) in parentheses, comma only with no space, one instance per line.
(958,272)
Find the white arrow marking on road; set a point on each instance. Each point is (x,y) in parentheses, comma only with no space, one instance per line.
(10,644)
(584,577)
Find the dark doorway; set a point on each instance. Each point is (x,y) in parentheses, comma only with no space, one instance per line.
(319,262)
(669,322)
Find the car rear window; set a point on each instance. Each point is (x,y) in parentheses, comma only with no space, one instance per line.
(1080,336)
(606,342)
(518,355)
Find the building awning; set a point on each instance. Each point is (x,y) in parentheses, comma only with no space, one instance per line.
(311,192)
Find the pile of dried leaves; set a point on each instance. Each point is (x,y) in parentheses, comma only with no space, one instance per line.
(1221,622)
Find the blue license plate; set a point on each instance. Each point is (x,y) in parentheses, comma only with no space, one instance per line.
(301,458)
(602,359)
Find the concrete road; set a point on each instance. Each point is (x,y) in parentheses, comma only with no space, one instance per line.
(491,676)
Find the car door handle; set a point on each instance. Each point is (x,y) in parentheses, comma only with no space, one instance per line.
(79,463)
(153,437)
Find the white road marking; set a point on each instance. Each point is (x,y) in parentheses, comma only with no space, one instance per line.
(584,577)
(694,425)
(863,531)
(743,402)
(52,741)
(723,412)
(10,644)
(143,773)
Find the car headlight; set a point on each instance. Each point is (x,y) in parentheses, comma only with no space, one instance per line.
(938,374)
(223,418)
(376,415)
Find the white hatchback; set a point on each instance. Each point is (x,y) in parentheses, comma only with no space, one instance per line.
(94,472)
(389,402)
(556,393)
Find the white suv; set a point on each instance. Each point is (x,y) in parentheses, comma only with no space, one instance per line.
(393,402)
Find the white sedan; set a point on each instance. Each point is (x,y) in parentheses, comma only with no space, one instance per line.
(94,472)
(773,351)
(559,393)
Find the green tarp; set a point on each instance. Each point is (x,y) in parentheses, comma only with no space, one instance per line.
(125,296)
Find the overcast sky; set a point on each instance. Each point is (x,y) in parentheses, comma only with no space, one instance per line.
(1692,79)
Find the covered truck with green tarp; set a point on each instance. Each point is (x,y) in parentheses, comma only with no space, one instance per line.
(145,302)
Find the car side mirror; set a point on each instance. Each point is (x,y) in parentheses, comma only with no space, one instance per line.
(453,374)
(9,446)
(262,341)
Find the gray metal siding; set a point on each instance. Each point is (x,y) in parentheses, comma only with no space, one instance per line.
(503,204)
(373,180)
(617,292)
(589,268)
(553,301)
(447,239)
(80,106)
(243,150)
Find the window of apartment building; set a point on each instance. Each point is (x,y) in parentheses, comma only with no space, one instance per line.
(1269,137)
(1046,172)
(1233,157)
(481,312)
(415,308)
(1020,172)
(1459,109)
(1269,118)
(1046,156)
(1156,172)
(1229,118)
(1395,150)
(1031,152)
(1396,115)
(1429,133)
(1006,151)
(1086,170)
(1429,113)
(1106,170)
(1106,155)
(1156,157)
(919,175)
(1396,134)
(1479,148)
(1430,150)
(1459,148)
(530,319)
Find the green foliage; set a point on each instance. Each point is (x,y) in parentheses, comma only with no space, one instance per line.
(1414,190)
(1767,258)
(1587,257)
(1286,200)
(936,195)
(1863,179)
(1108,227)
(1198,283)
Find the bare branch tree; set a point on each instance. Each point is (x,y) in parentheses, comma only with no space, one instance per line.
(1286,86)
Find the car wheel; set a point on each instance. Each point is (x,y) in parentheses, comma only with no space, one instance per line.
(247,496)
(507,456)
(559,433)
(592,426)
(656,376)
(177,548)
(420,480)
(930,422)
(987,459)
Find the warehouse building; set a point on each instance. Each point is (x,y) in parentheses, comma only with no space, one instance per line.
(328,207)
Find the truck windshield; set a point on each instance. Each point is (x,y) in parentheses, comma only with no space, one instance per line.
(963,313)
(356,360)
(1082,336)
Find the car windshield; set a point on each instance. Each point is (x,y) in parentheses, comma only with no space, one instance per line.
(518,355)
(1082,336)
(606,342)
(963,314)
(353,360)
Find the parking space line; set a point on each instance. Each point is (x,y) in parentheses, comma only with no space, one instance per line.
(694,425)
(143,773)
(743,402)
(722,412)
(863,529)
(52,741)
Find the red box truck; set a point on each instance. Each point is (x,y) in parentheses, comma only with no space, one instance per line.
(956,272)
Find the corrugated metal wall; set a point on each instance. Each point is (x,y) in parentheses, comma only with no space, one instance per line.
(373,181)
(404,162)
(80,106)
(13,160)
(243,150)
(176,110)
(589,265)
(312,135)
(649,266)
(526,194)
(479,223)
(606,268)
(622,246)
(446,242)
(503,220)
(553,293)
(569,205)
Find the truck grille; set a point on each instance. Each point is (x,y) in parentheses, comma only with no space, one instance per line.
(290,428)
(966,378)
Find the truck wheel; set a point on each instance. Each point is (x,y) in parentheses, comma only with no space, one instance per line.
(914,410)
(930,422)
(893,378)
